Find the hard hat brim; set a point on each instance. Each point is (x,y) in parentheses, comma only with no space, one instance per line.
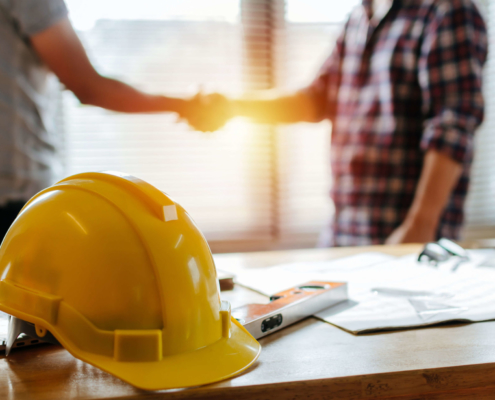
(221,360)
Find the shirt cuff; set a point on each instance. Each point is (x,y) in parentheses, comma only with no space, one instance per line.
(450,141)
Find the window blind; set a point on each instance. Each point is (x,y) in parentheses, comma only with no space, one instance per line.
(223,179)
(304,149)
(480,205)
(285,54)
(247,186)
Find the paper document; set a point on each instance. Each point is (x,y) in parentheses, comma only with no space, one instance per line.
(391,293)
(284,276)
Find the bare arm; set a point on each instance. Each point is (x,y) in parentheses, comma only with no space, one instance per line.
(439,175)
(61,50)
(288,109)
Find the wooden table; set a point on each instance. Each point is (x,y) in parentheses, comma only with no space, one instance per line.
(309,360)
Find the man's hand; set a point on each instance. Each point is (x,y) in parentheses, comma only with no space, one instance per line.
(414,231)
(207,113)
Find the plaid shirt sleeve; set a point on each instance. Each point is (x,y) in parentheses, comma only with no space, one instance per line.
(324,88)
(450,71)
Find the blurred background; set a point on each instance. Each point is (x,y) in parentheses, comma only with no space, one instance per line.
(249,187)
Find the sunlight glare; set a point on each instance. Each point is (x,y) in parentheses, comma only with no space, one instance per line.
(85,13)
(319,10)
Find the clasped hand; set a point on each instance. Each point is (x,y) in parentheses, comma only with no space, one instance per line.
(207,113)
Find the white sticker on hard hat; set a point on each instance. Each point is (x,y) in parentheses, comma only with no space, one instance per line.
(170,213)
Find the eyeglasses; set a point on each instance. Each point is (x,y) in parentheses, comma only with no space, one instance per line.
(437,252)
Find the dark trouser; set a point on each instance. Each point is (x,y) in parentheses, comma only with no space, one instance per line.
(8,214)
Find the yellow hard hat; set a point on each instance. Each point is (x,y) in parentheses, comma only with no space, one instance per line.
(122,277)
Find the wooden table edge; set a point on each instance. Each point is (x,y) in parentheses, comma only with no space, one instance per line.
(442,383)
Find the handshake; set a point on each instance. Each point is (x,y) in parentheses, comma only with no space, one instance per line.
(207,113)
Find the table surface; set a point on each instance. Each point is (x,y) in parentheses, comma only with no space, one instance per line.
(310,359)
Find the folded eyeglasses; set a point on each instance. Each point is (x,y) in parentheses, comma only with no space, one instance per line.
(437,252)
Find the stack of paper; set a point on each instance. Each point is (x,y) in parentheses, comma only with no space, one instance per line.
(408,293)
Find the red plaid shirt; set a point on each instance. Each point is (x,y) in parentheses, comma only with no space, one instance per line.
(393,89)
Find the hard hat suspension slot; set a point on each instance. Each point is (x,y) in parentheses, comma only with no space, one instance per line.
(138,345)
(225,316)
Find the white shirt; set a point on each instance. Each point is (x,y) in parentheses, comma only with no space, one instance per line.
(28,106)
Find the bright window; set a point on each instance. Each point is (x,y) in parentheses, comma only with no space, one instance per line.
(222,179)
(247,186)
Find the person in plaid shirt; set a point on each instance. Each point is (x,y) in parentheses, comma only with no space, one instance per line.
(402,88)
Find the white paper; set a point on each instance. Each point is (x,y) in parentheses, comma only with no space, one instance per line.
(472,288)
(284,276)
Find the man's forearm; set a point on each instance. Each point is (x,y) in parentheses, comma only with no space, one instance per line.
(437,180)
(438,177)
(61,50)
(288,109)
(118,96)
